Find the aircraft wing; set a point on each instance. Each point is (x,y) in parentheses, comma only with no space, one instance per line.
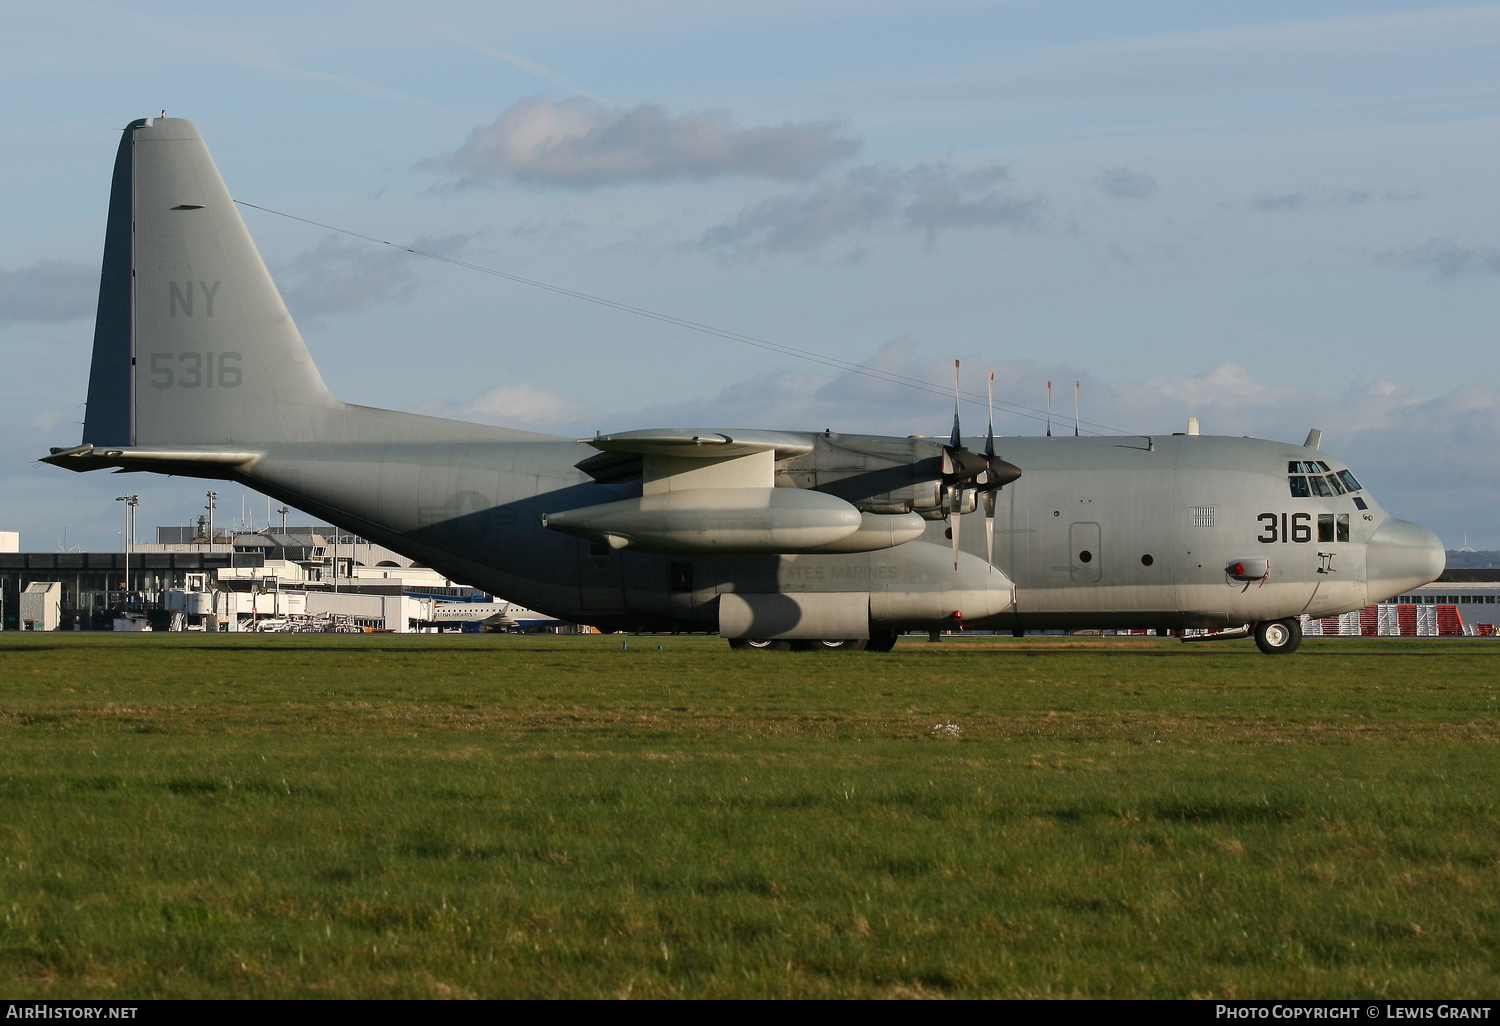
(703,443)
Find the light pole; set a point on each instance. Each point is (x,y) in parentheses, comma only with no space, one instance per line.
(128,537)
(212,505)
(283,511)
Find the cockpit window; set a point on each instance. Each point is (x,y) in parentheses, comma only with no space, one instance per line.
(1306,479)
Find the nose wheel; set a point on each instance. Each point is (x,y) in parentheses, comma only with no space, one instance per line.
(1279,637)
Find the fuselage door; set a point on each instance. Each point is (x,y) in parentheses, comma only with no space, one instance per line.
(601,586)
(1083,543)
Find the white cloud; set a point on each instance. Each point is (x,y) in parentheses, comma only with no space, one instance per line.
(1123,183)
(341,275)
(48,290)
(1321,197)
(926,197)
(522,405)
(581,143)
(1446,260)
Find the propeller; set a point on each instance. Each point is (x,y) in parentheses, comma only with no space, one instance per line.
(987,473)
(989,493)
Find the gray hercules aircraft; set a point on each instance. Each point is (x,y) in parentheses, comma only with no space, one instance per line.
(776,539)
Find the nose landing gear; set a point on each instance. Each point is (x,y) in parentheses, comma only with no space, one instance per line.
(1279,637)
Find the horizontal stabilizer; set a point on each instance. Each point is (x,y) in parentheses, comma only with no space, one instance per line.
(190,462)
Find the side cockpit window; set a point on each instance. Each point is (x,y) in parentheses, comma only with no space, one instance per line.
(1299,487)
(1333,527)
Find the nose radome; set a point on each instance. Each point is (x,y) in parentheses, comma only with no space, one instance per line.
(1401,556)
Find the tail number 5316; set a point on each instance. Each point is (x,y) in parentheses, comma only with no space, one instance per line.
(195,370)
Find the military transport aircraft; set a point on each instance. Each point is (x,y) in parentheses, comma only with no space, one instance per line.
(777,539)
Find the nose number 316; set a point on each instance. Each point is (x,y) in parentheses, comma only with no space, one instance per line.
(1284,527)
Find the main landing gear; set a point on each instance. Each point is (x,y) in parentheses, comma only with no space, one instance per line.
(880,641)
(1278,637)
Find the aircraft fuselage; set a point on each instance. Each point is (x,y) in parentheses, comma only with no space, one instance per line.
(1100,532)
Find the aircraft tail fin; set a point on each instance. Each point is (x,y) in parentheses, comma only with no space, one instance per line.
(193,344)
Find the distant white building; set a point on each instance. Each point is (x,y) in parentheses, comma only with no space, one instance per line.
(303,544)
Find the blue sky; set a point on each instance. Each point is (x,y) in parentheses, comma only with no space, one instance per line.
(1272,216)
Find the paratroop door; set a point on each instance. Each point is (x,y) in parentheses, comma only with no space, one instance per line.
(1083,543)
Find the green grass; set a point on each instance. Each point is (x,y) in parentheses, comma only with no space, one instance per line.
(190,816)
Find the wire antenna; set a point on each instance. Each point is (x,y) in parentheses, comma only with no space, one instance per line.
(1015,409)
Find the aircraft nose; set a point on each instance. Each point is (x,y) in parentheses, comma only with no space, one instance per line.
(1401,556)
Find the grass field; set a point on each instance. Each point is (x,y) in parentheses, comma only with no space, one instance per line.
(323,815)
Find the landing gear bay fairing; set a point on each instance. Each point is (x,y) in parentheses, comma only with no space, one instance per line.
(773,538)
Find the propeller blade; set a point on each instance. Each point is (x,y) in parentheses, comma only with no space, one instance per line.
(955,440)
(955,518)
(989,439)
(989,527)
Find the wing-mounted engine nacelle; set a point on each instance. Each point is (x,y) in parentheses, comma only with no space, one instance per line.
(879,474)
(715,492)
(737,520)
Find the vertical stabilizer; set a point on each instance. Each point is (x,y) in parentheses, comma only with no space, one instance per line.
(192,345)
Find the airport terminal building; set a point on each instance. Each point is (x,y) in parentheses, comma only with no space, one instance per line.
(242,581)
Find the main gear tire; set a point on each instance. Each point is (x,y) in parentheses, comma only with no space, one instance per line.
(760,644)
(1279,637)
(881,641)
(851,645)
